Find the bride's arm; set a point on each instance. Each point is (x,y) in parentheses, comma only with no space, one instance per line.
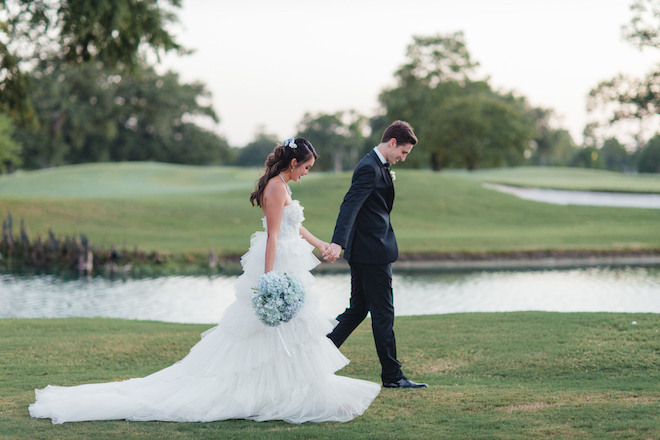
(311,239)
(274,198)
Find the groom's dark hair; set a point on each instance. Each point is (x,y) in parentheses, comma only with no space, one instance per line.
(401,131)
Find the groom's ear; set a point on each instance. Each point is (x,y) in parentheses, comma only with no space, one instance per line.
(392,143)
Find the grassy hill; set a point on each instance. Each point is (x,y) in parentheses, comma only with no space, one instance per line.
(187,209)
(582,179)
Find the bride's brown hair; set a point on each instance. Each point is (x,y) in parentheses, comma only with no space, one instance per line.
(279,160)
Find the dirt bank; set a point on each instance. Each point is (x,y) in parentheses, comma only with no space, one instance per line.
(539,259)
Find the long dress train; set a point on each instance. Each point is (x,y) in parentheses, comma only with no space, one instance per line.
(240,369)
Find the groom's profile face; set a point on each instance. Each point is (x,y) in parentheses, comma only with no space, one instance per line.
(398,152)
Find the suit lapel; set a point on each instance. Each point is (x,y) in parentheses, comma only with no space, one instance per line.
(387,178)
(386,175)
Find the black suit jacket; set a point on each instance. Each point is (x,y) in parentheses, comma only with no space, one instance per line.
(363,226)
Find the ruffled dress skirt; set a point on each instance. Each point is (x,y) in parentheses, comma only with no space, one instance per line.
(240,369)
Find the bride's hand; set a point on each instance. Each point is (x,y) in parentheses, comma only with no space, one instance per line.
(326,251)
(323,247)
(330,254)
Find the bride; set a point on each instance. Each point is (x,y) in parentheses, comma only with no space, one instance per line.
(242,369)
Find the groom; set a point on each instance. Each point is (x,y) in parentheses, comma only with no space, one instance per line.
(363,229)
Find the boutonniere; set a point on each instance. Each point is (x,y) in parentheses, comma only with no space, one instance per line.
(392,174)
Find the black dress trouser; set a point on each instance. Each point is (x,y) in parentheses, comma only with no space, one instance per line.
(371,291)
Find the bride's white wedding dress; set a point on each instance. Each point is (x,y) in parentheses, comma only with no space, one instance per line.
(241,369)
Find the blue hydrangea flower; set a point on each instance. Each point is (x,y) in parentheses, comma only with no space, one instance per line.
(277,298)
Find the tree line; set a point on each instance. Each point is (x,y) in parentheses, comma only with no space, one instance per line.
(75,87)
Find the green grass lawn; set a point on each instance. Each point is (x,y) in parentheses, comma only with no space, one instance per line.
(186,209)
(527,375)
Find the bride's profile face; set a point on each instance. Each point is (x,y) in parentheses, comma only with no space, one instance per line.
(302,169)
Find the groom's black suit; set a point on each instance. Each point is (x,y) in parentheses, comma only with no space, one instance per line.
(363,229)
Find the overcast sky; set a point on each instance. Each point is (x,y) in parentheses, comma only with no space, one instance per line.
(269,62)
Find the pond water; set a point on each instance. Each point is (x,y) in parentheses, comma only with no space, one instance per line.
(587,198)
(203,299)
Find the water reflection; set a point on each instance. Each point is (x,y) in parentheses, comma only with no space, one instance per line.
(203,299)
(576,290)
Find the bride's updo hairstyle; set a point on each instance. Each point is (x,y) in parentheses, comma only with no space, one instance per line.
(279,160)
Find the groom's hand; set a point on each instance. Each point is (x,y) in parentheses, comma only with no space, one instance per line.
(328,254)
(333,252)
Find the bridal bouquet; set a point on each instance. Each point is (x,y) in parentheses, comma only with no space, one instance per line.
(277,298)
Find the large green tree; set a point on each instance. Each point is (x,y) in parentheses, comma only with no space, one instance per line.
(117,33)
(649,157)
(623,102)
(337,137)
(588,157)
(9,149)
(551,146)
(255,153)
(460,121)
(616,157)
(91,113)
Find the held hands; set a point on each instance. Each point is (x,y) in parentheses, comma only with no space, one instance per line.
(326,251)
(331,252)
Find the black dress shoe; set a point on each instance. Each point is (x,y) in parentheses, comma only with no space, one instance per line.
(405,383)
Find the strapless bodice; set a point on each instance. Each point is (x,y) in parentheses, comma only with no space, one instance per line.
(292,218)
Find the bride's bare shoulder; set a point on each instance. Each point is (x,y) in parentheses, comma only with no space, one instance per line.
(274,193)
(274,187)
